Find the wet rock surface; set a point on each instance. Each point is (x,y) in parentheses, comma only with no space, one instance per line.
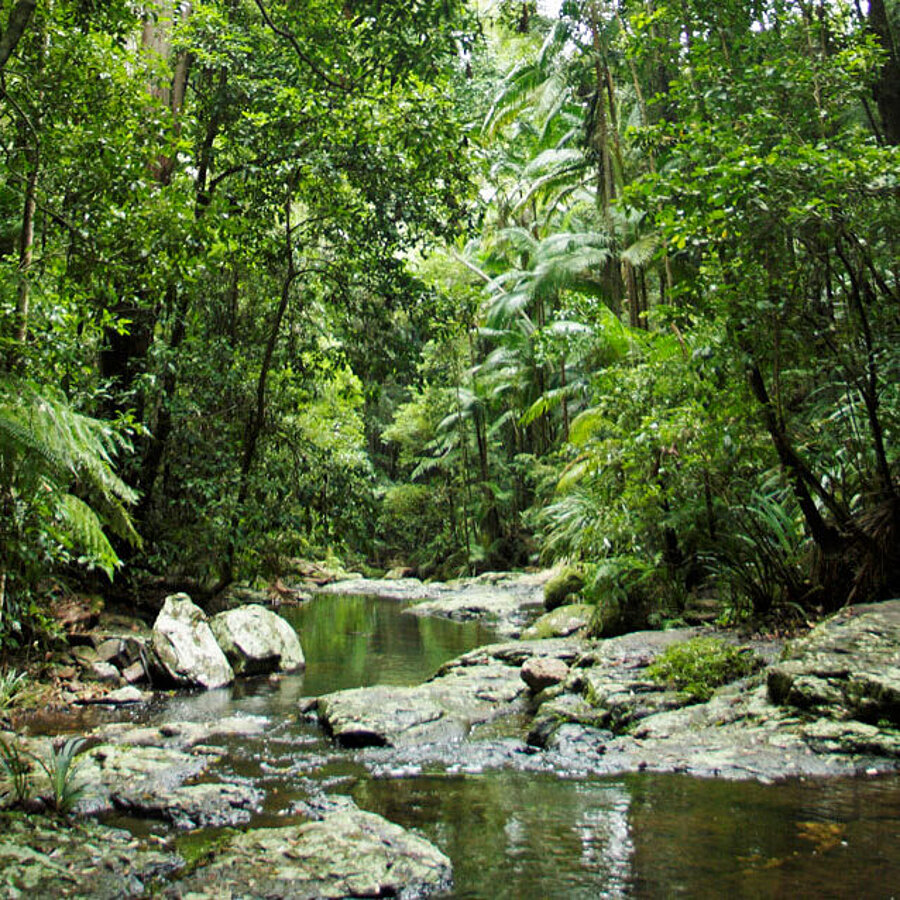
(589,708)
(609,717)
(614,719)
(152,773)
(505,601)
(475,688)
(846,668)
(345,853)
(48,858)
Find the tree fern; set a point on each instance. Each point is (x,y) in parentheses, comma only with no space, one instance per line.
(85,529)
(60,464)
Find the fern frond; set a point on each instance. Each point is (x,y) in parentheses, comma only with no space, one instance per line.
(86,532)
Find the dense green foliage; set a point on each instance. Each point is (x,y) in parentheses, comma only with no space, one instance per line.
(453,287)
(689,256)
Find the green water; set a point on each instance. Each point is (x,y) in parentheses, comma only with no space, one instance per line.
(354,641)
(535,836)
(513,835)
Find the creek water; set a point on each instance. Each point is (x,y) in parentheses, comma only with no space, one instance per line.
(514,834)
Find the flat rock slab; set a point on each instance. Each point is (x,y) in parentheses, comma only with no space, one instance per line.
(612,718)
(348,853)
(43,859)
(475,688)
(180,735)
(847,667)
(150,773)
(154,782)
(737,734)
(505,601)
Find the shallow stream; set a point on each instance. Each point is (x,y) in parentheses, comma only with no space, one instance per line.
(513,834)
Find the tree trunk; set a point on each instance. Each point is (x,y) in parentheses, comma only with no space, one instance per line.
(177,304)
(15,28)
(26,251)
(825,536)
(256,417)
(887,87)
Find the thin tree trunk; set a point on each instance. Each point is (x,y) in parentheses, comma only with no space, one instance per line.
(825,536)
(887,87)
(178,304)
(868,383)
(256,418)
(26,247)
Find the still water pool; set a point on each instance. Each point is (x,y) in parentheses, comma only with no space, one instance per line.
(524,835)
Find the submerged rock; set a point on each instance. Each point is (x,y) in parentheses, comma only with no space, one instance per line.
(256,640)
(184,647)
(346,853)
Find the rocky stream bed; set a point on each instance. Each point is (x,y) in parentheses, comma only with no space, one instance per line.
(281,825)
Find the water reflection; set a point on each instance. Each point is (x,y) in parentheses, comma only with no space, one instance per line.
(518,836)
(354,641)
(835,838)
(512,835)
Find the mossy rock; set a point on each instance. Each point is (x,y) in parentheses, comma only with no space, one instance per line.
(562,586)
(574,618)
(609,619)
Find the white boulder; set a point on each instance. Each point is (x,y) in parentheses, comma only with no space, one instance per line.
(184,647)
(257,640)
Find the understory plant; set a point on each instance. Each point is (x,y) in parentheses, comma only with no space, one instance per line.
(61,767)
(699,665)
(16,770)
(12,683)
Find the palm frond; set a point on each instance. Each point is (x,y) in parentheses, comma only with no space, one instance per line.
(641,251)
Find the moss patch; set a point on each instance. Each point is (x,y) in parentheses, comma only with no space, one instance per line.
(700,665)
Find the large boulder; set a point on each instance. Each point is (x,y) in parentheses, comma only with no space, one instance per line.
(185,650)
(574,618)
(256,640)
